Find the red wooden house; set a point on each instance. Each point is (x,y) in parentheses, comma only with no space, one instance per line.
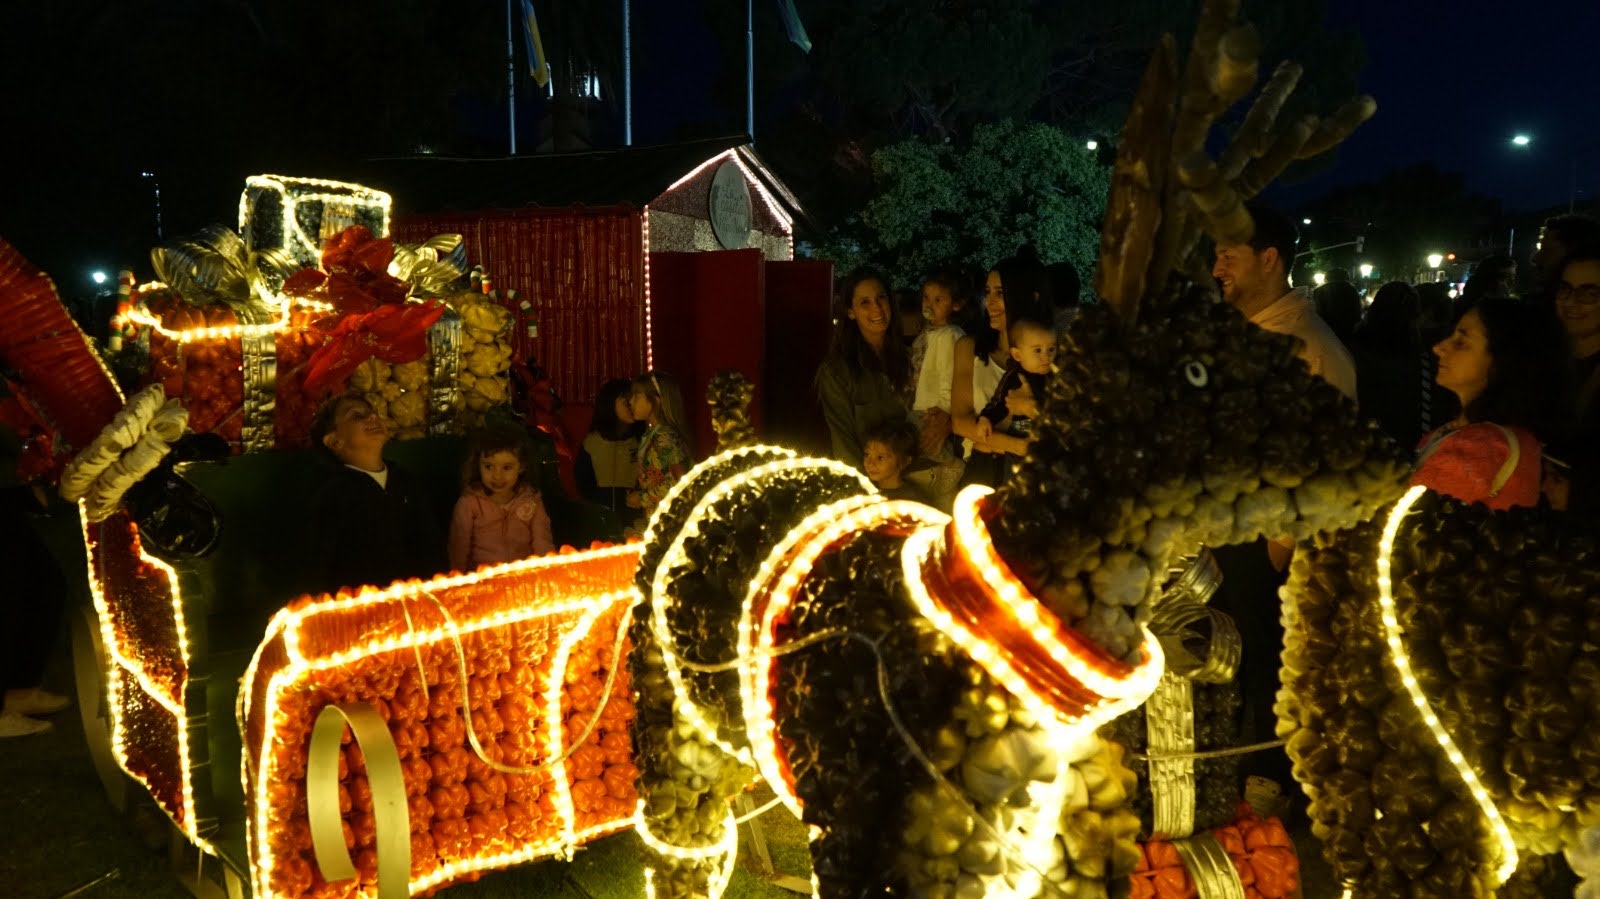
(678,258)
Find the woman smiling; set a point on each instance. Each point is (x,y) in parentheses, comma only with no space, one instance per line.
(862,382)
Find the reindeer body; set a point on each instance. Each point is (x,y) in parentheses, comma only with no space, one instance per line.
(840,645)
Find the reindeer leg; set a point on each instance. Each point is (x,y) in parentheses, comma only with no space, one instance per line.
(684,820)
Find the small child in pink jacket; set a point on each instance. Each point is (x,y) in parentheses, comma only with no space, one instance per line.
(500,516)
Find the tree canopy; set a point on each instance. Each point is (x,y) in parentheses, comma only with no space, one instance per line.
(940,204)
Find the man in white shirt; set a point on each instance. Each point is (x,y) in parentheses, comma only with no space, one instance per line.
(1255,280)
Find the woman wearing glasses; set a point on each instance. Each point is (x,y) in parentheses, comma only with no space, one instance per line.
(1505,361)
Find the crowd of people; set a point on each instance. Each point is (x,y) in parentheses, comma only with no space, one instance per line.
(1498,396)
(1496,393)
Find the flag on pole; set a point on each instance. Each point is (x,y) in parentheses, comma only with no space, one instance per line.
(792,24)
(538,65)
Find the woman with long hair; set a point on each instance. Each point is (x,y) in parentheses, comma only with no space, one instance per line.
(1014,289)
(1395,371)
(1505,363)
(607,464)
(864,380)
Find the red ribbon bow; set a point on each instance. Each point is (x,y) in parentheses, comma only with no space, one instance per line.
(355,273)
(394,332)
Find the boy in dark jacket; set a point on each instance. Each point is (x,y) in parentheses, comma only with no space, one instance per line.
(370,521)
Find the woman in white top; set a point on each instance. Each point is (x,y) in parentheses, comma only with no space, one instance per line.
(1013,289)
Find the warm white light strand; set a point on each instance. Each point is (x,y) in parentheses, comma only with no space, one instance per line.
(1401,659)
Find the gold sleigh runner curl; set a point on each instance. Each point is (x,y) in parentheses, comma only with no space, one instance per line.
(127,449)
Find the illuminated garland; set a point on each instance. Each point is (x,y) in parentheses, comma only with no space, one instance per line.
(1401,659)
(122,666)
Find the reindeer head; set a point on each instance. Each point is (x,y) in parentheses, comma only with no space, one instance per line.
(1172,421)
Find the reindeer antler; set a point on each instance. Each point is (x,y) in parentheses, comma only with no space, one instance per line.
(1153,221)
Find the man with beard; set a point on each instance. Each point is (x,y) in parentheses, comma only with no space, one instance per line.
(1254,278)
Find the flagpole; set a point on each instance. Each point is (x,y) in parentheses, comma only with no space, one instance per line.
(627,75)
(750,69)
(511,80)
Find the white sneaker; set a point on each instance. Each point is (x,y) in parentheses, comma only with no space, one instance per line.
(34,701)
(15,724)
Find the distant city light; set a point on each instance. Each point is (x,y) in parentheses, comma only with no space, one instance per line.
(1522,140)
(1366,269)
(1093,144)
(99,277)
(1320,278)
(1434,260)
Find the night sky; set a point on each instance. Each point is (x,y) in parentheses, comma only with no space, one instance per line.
(1455,80)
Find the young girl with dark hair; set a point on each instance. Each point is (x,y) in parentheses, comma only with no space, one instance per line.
(500,516)
(1505,363)
(664,451)
(863,381)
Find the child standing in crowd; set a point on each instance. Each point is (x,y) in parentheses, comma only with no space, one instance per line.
(933,361)
(1007,421)
(887,453)
(500,516)
(664,453)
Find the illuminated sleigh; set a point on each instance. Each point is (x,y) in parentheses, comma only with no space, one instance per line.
(539,769)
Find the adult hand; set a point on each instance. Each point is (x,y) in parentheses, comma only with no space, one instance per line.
(1021,402)
(935,431)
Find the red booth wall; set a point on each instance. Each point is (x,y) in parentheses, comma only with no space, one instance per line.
(584,271)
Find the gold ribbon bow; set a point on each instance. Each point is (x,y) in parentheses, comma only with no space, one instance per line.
(432,266)
(1202,644)
(215,266)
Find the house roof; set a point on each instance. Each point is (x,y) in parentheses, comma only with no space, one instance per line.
(628,176)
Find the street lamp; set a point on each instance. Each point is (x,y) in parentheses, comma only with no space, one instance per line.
(1305,221)
(1092,144)
(1435,260)
(1319,278)
(99,277)
(1366,269)
(1521,140)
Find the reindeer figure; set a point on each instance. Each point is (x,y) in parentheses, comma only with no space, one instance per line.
(924,690)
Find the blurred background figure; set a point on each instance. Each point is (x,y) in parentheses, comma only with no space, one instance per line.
(1495,276)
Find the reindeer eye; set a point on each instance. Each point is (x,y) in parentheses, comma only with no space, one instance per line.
(1195,373)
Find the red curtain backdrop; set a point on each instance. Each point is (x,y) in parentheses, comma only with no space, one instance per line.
(710,314)
(582,268)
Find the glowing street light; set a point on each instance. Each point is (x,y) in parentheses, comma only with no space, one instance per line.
(1366,269)
(1319,278)
(1435,260)
(1522,140)
(99,277)
(1305,221)
(1092,144)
